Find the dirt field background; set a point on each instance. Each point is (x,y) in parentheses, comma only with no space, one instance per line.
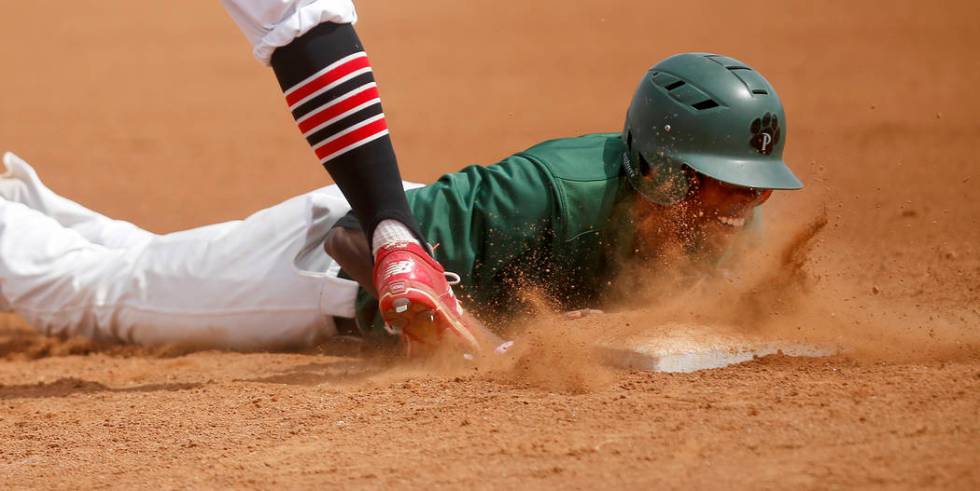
(157,113)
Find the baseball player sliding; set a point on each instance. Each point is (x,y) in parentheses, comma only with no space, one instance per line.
(700,152)
(329,87)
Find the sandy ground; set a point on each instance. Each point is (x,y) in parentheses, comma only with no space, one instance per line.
(157,114)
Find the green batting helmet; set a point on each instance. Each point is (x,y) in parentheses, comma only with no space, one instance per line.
(710,113)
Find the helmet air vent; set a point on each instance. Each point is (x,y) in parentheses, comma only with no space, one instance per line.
(666,80)
(705,104)
(729,63)
(684,92)
(754,82)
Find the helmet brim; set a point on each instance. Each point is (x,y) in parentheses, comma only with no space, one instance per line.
(760,174)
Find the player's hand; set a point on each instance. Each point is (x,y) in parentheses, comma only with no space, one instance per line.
(352,252)
(491,342)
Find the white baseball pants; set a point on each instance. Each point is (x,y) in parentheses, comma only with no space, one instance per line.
(260,283)
(270,24)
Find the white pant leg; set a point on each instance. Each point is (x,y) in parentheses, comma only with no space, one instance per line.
(20,183)
(270,24)
(258,283)
(51,273)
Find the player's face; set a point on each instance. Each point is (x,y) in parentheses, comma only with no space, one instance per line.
(714,202)
(711,214)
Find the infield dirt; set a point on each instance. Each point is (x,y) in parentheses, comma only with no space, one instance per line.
(156,113)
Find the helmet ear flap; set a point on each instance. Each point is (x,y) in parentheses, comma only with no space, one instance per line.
(668,181)
(663,182)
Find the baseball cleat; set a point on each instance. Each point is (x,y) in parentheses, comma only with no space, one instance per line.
(417,301)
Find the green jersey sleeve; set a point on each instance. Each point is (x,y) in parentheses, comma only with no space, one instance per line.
(484,220)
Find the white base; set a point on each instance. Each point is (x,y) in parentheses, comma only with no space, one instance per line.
(684,349)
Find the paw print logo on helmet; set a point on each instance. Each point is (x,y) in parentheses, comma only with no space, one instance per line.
(765,133)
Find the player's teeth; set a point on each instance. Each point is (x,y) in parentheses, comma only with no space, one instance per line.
(732,222)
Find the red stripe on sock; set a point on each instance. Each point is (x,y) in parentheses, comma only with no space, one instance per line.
(328,113)
(352,138)
(327,79)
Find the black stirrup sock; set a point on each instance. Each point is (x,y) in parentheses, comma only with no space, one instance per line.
(330,89)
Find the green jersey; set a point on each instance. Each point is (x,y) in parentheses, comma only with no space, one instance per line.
(543,217)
